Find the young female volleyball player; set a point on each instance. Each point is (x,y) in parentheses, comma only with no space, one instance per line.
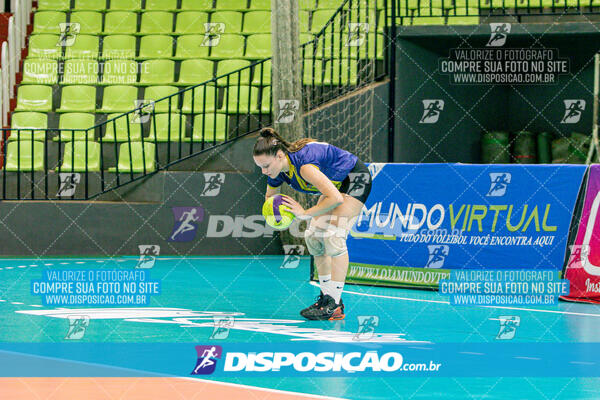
(320,169)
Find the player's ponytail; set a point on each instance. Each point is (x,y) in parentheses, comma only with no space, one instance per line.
(269,142)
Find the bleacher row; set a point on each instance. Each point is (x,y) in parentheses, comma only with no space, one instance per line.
(123,52)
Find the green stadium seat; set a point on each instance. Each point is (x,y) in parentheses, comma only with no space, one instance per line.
(307,4)
(229,46)
(40,71)
(264,106)
(161,131)
(24,156)
(90,5)
(156,46)
(125,5)
(240,100)
(191,22)
(489,4)
(117,130)
(341,72)
(197,5)
(239,5)
(536,3)
(81,156)
(210,128)
(259,46)
(119,98)
(195,71)
(563,3)
(189,46)
(80,72)
(265,68)
(466,16)
(123,22)
(157,72)
(119,72)
(260,4)
(118,47)
(85,46)
(34,98)
(257,22)
(90,22)
(44,46)
(53,5)
(28,120)
(231,19)
(312,72)
(320,18)
(156,22)
(228,67)
(48,21)
(78,98)
(201,105)
(161,5)
(143,158)
(76,121)
(155,93)
(303,20)
(329,4)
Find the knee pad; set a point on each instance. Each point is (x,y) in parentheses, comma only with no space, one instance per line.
(314,241)
(335,241)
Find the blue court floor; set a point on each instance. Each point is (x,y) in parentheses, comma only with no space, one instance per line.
(257,301)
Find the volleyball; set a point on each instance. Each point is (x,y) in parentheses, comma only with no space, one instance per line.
(275,213)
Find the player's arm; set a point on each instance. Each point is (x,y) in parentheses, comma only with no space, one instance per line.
(272,191)
(333,197)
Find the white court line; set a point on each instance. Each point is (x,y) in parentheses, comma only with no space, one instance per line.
(447,302)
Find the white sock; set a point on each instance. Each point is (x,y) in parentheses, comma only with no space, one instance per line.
(336,290)
(325,283)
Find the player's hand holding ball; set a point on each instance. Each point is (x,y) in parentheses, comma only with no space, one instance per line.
(276,212)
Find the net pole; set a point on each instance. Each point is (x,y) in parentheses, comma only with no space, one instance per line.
(287,91)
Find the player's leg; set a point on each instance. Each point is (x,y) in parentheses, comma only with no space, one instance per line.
(322,261)
(336,231)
